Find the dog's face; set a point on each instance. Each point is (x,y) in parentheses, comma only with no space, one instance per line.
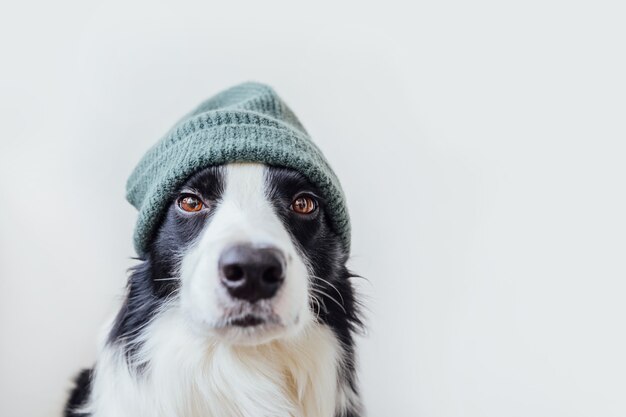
(249,253)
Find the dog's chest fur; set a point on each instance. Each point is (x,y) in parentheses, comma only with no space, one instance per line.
(179,374)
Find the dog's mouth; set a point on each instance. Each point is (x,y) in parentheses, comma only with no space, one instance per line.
(249,328)
(248,320)
(245,315)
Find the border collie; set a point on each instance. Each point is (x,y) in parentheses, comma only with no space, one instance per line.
(243,306)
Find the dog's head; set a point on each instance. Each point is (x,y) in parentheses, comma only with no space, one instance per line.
(248,252)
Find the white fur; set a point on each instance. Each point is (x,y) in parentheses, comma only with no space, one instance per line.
(188,367)
(192,376)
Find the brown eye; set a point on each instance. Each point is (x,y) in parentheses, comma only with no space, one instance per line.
(190,203)
(304,205)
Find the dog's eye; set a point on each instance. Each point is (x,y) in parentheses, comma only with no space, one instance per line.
(190,203)
(304,204)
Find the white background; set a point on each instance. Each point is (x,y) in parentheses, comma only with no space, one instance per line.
(481,146)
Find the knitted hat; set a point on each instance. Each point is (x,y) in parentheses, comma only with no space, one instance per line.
(246,123)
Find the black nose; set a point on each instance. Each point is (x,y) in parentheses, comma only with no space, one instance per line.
(251,273)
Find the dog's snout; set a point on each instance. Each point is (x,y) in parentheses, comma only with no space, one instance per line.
(251,273)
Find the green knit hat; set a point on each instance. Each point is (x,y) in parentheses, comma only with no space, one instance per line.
(246,123)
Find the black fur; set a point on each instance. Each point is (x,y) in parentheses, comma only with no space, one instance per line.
(79,394)
(154,279)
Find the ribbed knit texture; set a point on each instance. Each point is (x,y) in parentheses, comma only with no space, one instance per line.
(246,123)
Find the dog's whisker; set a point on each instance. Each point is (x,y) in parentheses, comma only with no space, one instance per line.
(318,291)
(320,304)
(317,303)
(320,287)
(333,286)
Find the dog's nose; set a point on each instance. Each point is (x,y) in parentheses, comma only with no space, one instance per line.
(251,273)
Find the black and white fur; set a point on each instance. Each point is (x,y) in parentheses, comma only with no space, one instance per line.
(181,346)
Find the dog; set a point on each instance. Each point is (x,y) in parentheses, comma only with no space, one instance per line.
(242,306)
